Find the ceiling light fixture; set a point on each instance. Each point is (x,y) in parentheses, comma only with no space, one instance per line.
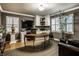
(41,7)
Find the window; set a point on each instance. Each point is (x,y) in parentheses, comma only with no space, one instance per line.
(63,24)
(66,24)
(57,21)
(53,25)
(69,23)
(12,20)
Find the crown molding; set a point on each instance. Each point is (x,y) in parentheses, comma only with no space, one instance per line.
(21,14)
(65,11)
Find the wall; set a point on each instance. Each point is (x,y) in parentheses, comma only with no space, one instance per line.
(0,18)
(3,20)
(76,25)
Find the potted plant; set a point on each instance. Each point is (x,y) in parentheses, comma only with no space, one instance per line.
(1,39)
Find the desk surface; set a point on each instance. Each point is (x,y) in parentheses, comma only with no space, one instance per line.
(42,34)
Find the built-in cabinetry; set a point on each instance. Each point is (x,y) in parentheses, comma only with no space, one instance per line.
(42,21)
(37,20)
(42,24)
(47,20)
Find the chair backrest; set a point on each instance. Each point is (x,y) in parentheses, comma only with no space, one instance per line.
(51,35)
(8,37)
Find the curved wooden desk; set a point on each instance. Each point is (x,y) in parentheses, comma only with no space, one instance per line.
(36,35)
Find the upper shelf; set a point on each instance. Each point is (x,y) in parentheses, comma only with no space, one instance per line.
(42,26)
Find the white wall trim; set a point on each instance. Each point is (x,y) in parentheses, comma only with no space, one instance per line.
(17,13)
(64,11)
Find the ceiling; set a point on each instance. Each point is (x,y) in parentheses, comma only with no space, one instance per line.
(32,8)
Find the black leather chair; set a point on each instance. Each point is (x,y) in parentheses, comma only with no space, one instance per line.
(68,50)
(8,37)
(74,42)
(51,37)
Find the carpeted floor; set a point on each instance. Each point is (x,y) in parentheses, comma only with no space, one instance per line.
(50,49)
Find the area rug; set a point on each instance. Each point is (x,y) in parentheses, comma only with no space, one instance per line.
(50,49)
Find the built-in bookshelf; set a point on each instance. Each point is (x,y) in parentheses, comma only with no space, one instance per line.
(42,22)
